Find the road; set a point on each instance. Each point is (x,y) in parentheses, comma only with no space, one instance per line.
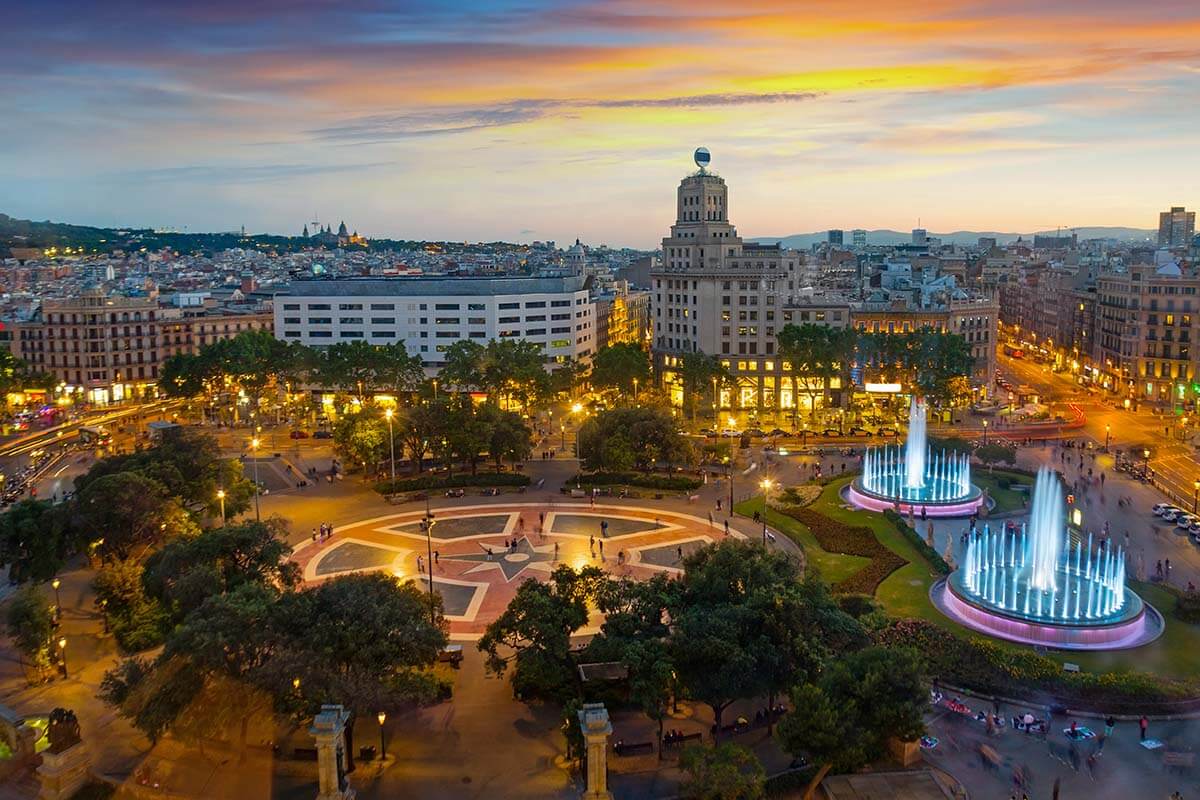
(1172,456)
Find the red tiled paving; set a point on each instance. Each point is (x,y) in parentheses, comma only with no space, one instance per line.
(464,561)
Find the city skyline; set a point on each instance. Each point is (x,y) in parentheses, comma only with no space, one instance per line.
(552,120)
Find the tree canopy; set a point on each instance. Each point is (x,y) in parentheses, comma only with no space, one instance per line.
(615,368)
(621,439)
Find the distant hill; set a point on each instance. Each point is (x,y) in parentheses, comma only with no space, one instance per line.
(803,241)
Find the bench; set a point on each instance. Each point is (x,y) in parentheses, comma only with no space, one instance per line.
(1069,667)
(623,749)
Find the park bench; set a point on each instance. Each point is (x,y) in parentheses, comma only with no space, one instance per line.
(623,749)
(1177,761)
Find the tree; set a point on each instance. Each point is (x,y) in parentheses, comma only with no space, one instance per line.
(509,437)
(996,453)
(31,624)
(35,540)
(621,438)
(616,367)
(362,437)
(420,425)
(187,571)
(724,772)
(138,622)
(361,370)
(463,366)
(811,356)
(700,373)
(129,513)
(534,633)
(844,718)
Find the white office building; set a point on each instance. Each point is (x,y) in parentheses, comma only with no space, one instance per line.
(430,314)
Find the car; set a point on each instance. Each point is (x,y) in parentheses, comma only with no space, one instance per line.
(755,432)
(1171,514)
(1159,508)
(831,432)
(887,431)
(298,434)
(1194,528)
(730,433)
(322,435)
(1185,520)
(708,432)
(779,432)
(859,431)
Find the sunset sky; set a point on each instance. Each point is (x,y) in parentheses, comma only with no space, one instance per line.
(534,119)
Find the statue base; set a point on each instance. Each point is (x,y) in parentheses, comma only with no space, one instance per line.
(63,774)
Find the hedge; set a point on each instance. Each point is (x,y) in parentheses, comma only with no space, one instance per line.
(451,481)
(648,480)
(990,668)
(928,553)
(837,537)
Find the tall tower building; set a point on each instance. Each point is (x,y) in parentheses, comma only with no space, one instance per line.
(835,236)
(1177,227)
(919,236)
(713,293)
(860,237)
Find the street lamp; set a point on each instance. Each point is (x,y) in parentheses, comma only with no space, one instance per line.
(392,442)
(766,487)
(716,403)
(985,422)
(635,391)
(57,600)
(254,449)
(563,427)
(221,497)
(62,655)
(382,717)
(1195,495)
(428,524)
(1107,436)
(104,614)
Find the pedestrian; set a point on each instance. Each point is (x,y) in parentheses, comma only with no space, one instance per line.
(718,504)
(556,551)
(420,564)
(1143,723)
(592,545)
(710,519)
(679,553)
(601,549)
(541,519)
(314,532)
(726,527)
(1158,570)
(604,528)
(657,524)
(1109,724)
(620,557)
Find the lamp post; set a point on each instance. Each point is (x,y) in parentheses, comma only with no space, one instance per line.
(635,382)
(985,422)
(1107,436)
(1195,495)
(254,450)
(729,469)
(104,614)
(716,403)
(563,427)
(382,717)
(62,655)
(221,497)
(766,487)
(389,413)
(428,524)
(435,390)
(57,600)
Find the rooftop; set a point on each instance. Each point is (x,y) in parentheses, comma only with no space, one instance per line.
(406,286)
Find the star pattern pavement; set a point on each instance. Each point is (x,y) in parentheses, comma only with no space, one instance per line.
(510,563)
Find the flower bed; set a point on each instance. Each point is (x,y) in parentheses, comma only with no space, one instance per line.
(936,561)
(647,480)
(991,668)
(800,495)
(837,537)
(452,481)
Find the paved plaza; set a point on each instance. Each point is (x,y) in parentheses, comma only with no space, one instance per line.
(481,553)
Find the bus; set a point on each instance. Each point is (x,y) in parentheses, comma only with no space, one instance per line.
(94,436)
(1012,351)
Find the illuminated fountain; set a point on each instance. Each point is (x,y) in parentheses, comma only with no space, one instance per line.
(916,476)
(1035,585)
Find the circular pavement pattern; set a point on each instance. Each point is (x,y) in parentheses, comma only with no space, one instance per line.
(477,573)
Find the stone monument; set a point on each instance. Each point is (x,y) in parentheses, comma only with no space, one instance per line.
(593,721)
(65,763)
(329,731)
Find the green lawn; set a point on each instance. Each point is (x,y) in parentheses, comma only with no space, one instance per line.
(1006,499)
(905,593)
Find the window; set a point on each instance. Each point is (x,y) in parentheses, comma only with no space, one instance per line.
(383,320)
(565,329)
(319,307)
(536,318)
(509,334)
(560,343)
(536,332)
(350,320)
(383,306)
(448,335)
(476,320)
(508,320)
(536,304)
(508,306)
(475,307)
(557,303)
(349,306)
(446,320)
(286,307)
(351,334)
(445,307)
(478,334)
(320,320)
(291,320)
(384,334)
(285,333)
(320,334)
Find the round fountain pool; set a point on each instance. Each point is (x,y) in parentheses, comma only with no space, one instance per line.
(1034,585)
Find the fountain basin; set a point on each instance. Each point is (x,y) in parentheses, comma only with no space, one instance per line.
(1139,625)
(858,495)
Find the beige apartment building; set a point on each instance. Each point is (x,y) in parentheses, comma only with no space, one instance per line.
(713,293)
(1146,320)
(111,347)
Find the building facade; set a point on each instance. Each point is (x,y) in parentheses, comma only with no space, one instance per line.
(428,315)
(1176,227)
(111,347)
(622,316)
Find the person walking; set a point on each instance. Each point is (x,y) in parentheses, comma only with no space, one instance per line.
(604,528)
(726,527)
(601,549)
(592,545)
(420,564)
(1109,724)
(556,551)
(1143,724)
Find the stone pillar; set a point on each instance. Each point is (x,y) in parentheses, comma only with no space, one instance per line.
(329,731)
(64,773)
(593,721)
